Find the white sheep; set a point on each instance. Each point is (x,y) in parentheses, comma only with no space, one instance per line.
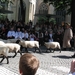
(4,51)
(9,47)
(29,44)
(1,43)
(52,45)
(13,47)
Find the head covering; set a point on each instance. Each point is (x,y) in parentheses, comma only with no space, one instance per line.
(68,24)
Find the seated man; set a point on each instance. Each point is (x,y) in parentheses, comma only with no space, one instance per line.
(28,64)
(32,36)
(25,35)
(11,33)
(18,34)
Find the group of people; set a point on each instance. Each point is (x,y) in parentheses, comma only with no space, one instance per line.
(12,34)
(42,33)
(29,64)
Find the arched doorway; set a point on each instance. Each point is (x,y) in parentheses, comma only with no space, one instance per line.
(43,11)
(22,12)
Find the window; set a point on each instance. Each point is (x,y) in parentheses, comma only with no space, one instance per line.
(43,9)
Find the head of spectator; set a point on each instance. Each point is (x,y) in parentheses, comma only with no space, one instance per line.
(46,32)
(51,32)
(58,32)
(23,30)
(18,29)
(12,28)
(28,64)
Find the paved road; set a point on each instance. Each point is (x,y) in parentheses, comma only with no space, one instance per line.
(50,63)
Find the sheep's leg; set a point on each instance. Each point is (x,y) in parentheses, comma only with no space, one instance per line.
(40,50)
(15,54)
(2,58)
(47,50)
(21,48)
(53,50)
(7,60)
(35,50)
(60,50)
(50,49)
(20,52)
(26,50)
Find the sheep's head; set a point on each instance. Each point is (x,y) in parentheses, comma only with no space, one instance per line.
(17,41)
(45,43)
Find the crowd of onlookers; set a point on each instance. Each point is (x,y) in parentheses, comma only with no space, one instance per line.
(40,32)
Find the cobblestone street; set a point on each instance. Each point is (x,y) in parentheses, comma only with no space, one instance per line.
(50,63)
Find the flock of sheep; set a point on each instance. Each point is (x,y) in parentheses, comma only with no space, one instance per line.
(14,45)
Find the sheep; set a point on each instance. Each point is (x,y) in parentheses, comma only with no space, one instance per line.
(8,47)
(1,43)
(13,47)
(29,44)
(52,45)
(4,51)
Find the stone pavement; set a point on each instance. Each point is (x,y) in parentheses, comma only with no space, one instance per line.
(50,63)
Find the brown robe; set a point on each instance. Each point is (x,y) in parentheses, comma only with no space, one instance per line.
(67,37)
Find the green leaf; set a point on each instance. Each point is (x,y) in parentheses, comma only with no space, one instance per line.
(61,4)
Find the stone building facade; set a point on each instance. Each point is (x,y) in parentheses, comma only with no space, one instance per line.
(31,7)
(29,10)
